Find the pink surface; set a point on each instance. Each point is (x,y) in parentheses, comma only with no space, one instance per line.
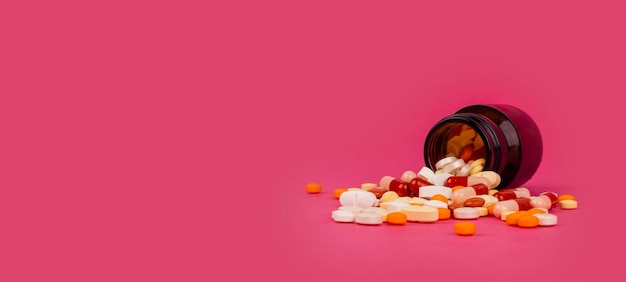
(154,141)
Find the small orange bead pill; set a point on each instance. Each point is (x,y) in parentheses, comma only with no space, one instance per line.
(444,213)
(465,228)
(337,193)
(566,197)
(440,197)
(513,218)
(397,218)
(314,188)
(490,209)
(528,221)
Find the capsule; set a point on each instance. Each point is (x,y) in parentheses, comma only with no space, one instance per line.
(466,181)
(545,200)
(390,183)
(514,205)
(512,193)
(460,195)
(416,183)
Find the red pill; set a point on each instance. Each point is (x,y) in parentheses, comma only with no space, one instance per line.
(460,195)
(477,154)
(416,183)
(466,181)
(521,204)
(514,193)
(393,184)
(545,200)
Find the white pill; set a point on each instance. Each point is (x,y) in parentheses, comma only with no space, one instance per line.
(454,166)
(464,171)
(404,199)
(466,213)
(375,209)
(427,173)
(436,204)
(408,175)
(443,162)
(421,213)
(359,198)
(396,205)
(429,191)
(440,179)
(343,216)
(546,219)
(369,218)
(353,209)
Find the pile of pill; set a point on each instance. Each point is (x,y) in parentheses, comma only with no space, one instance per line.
(429,196)
(465,144)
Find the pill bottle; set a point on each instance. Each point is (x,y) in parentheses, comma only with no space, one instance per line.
(505,136)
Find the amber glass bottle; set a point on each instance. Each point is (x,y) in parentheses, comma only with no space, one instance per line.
(505,136)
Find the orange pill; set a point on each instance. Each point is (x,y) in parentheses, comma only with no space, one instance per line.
(465,228)
(440,197)
(527,221)
(513,218)
(467,152)
(444,213)
(566,197)
(397,218)
(490,209)
(457,188)
(313,188)
(337,193)
(536,210)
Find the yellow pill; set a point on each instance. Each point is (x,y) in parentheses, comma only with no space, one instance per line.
(482,211)
(503,215)
(568,204)
(367,186)
(313,188)
(389,196)
(465,228)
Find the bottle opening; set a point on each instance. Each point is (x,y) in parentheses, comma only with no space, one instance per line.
(463,142)
(461,138)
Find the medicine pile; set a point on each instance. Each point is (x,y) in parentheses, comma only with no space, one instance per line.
(458,188)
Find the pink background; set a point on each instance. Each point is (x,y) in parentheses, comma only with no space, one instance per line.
(171,141)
